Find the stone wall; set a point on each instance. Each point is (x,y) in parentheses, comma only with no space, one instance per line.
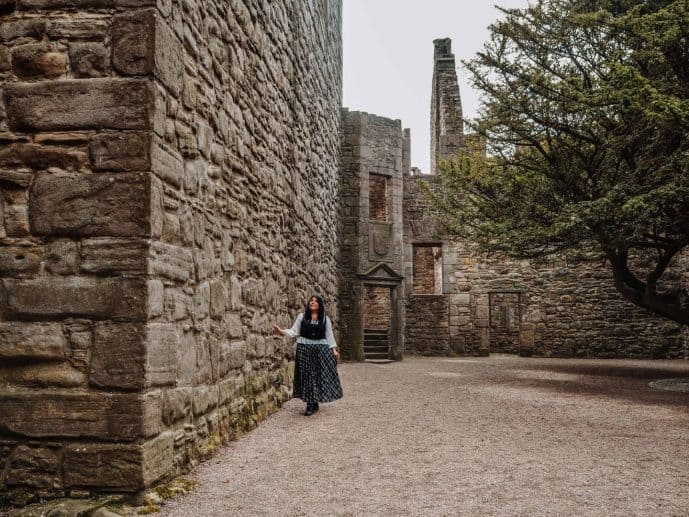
(373,154)
(376,308)
(550,309)
(447,125)
(169,191)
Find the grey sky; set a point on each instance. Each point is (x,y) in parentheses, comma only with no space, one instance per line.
(388,57)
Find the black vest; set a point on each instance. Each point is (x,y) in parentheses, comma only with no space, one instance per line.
(312,330)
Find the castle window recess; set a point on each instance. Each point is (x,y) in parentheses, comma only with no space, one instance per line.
(427,269)
(378,198)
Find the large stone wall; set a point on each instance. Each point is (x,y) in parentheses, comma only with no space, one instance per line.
(552,309)
(374,152)
(169,191)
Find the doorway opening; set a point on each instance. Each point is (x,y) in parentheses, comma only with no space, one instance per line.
(377,316)
(505,318)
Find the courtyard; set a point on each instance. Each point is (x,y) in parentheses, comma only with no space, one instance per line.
(499,435)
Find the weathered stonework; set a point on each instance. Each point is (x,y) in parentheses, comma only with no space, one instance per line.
(168,192)
(447,125)
(373,152)
(493,304)
(175,178)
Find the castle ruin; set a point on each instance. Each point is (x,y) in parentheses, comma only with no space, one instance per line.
(177,176)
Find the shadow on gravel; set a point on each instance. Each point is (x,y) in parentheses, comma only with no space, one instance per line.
(631,372)
(609,381)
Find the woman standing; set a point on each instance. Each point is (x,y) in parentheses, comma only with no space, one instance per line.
(315,372)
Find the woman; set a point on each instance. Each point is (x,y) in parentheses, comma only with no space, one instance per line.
(315,372)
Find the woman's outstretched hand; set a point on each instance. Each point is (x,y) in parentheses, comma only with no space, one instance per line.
(278,330)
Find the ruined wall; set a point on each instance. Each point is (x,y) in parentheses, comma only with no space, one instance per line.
(169,183)
(447,125)
(551,309)
(372,150)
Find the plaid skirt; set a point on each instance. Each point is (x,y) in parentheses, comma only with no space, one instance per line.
(315,374)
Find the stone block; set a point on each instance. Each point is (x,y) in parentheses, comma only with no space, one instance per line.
(176,304)
(110,256)
(120,152)
(232,323)
(71,414)
(237,354)
(126,468)
(90,205)
(39,157)
(201,301)
(133,42)
(169,59)
(86,29)
(32,341)
(118,356)
(158,456)
(169,261)
(162,342)
(80,337)
(167,165)
(80,104)
(133,356)
(36,467)
(205,398)
(42,375)
(156,298)
(38,60)
(176,405)
(18,260)
(5,59)
(186,359)
(73,297)
(62,257)
(28,28)
(152,413)
(218,298)
(89,59)
(15,179)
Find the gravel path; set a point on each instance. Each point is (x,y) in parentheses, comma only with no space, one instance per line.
(501,435)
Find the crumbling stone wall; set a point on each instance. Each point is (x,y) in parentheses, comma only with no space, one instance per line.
(372,152)
(169,188)
(565,310)
(376,308)
(447,124)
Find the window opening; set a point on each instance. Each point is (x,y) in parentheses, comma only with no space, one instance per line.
(378,197)
(427,269)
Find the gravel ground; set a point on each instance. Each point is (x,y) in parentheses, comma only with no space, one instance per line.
(501,435)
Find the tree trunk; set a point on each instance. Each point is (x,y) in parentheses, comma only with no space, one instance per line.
(644,295)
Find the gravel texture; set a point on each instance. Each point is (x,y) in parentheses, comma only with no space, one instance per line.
(501,435)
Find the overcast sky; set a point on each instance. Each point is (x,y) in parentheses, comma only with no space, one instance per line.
(388,57)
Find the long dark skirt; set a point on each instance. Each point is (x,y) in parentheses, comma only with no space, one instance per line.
(315,374)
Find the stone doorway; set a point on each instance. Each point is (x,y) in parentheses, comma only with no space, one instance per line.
(505,318)
(377,315)
(378,325)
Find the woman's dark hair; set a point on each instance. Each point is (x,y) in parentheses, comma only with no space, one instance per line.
(321,309)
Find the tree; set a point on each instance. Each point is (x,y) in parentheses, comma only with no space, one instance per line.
(585,105)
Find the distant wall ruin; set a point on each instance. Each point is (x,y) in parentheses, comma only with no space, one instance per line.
(168,191)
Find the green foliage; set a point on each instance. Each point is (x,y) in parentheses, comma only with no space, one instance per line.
(586,110)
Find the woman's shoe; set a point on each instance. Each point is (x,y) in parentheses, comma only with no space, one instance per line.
(315,407)
(310,410)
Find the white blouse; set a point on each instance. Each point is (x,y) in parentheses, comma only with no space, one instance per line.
(329,336)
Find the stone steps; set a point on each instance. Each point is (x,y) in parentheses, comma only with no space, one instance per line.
(376,344)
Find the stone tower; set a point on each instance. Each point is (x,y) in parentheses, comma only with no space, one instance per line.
(447,127)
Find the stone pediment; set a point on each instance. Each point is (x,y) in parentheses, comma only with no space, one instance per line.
(381,272)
